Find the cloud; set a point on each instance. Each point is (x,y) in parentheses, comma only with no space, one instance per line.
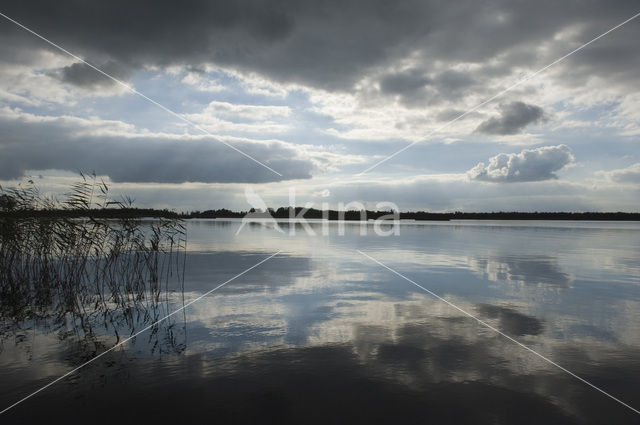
(355,69)
(39,77)
(80,74)
(514,117)
(399,64)
(118,150)
(250,112)
(630,174)
(322,44)
(403,83)
(434,193)
(228,117)
(201,82)
(529,165)
(451,83)
(456,192)
(415,88)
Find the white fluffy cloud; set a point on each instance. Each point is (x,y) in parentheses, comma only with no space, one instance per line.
(528,165)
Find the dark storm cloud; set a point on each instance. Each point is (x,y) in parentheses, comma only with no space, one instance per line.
(160,159)
(452,83)
(329,44)
(529,165)
(83,75)
(403,83)
(514,117)
(415,88)
(411,88)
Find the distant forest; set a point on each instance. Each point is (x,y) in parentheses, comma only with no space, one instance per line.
(285,213)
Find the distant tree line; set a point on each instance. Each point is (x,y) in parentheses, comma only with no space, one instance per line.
(286,212)
(7,208)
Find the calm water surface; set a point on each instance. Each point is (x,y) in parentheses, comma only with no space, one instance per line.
(321,334)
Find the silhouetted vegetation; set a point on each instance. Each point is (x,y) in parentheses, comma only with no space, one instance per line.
(287,212)
(515,215)
(85,262)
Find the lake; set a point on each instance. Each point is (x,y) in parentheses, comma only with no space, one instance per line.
(321,333)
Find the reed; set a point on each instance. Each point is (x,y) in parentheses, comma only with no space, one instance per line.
(87,274)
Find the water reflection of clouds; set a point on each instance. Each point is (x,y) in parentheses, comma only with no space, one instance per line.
(429,348)
(554,256)
(511,321)
(300,305)
(526,270)
(317,385)
(339,318)
(318,316)
(407,338)
(206,270)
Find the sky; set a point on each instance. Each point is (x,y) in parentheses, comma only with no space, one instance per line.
(299,100)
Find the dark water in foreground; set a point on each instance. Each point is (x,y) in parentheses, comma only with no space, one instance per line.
(321,334)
